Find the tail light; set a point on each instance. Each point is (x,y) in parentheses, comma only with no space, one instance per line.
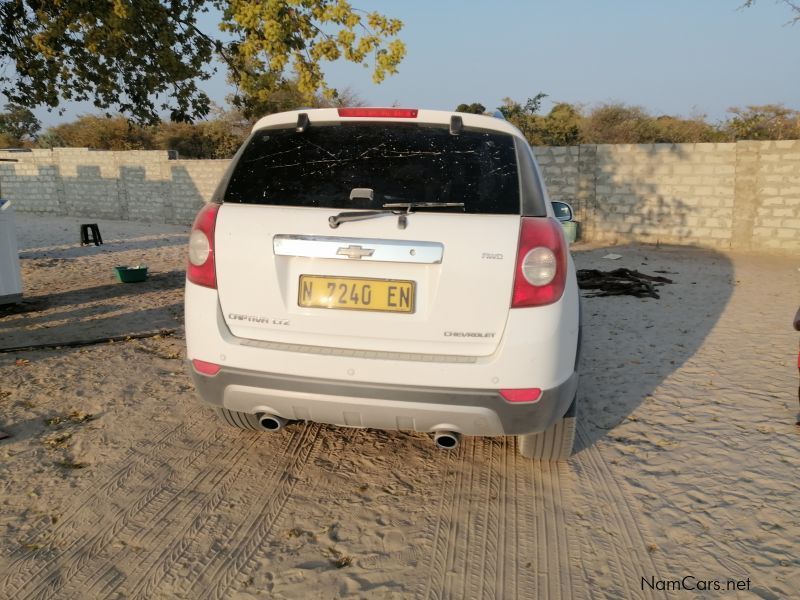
(201,269)
(386,113)
(541,270)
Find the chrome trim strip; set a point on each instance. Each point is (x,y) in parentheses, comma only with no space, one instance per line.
(350,353)
(342,248)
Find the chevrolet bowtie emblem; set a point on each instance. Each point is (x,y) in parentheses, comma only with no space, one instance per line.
(355,251)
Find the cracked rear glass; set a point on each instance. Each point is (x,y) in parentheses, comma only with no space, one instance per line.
(399,162)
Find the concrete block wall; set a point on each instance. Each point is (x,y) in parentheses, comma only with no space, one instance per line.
(741,196)
(132,185)
(190,181)
(32,183)
(569,174)
(776,223)
(561,169)
(664,193)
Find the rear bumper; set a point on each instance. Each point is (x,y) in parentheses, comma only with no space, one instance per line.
(382,406)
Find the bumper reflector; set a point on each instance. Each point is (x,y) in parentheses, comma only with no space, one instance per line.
(522,395)
(205,368)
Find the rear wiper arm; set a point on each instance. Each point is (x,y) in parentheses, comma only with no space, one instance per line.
(360,215)
(363,215)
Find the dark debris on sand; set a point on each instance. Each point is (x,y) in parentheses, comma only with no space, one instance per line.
(620,282)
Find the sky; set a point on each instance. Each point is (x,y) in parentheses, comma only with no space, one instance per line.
(678,57)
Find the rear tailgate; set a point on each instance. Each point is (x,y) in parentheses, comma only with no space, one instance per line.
(440,283)
(441,286)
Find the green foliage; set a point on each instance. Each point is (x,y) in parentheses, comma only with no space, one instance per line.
(100,133)
(272,36)
(524,117)
(475,108)
(675,130)
(561,126)
(189,140)
(564,125)
(618,124)
(766,122)
(287,96)
(49,139)
(218,137)
(17,125)
(141,57)
(7,141)
(512,109)
(275,97)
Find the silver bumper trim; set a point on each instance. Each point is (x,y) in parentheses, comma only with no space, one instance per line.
(382,406)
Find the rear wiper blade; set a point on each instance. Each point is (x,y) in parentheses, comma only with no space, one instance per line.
(409,206)
(360,215)
(363,215)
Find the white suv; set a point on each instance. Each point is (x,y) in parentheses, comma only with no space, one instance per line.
(386,268)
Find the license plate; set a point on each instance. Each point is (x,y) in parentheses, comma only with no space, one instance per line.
(386,295)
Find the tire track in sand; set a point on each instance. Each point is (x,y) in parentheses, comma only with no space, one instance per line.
(504,534)
(442,524)
(47,546)
(501,529)
(553,566)
(213,579)
(614,535)
(478,565)
(71,565)
(146,584)
(163,519)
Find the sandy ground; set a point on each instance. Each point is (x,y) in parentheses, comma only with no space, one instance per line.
(117,483)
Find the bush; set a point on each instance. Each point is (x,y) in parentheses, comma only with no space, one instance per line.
(100,133)
(765,122)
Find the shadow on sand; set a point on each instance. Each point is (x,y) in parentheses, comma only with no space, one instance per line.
(631,345)
(69,251)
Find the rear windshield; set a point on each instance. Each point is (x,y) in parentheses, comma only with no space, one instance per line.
(321,167)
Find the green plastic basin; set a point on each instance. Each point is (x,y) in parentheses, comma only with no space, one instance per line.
(131,274)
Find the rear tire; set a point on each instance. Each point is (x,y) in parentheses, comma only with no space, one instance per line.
(239,420)
(555,442)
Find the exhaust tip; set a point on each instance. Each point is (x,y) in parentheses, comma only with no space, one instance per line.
(446,440)
(271,422)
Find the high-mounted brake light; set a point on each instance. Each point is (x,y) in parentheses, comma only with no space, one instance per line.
(522,395)
(205,368)
(201,268)
(541,271)
(386,113)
